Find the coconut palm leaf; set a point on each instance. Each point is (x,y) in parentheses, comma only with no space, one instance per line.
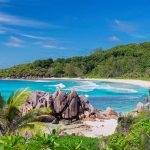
(11,113)
(31,128)
(20,97)
(31,116)
(14,102)
(1,101)
(11,116)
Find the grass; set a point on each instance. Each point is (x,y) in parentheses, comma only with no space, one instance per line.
(72,142)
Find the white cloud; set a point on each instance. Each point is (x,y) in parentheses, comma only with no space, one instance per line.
(34,36)
(18,21)
(50,44)
(15,39)
(124,26)
(129,28)
(14,42)
(4,1)
(138,36)
(114,39)
(2,31)
(53,47)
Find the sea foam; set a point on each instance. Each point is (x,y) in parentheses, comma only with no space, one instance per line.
(87,86)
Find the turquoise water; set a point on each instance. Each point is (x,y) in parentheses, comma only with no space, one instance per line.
(122,97)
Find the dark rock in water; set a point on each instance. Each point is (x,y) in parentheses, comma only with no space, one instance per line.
(68,106)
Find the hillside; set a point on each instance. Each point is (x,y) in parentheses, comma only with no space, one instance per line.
(124,61)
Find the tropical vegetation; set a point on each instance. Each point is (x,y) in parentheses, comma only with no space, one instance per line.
(132,133)
(11,119)
(124,61)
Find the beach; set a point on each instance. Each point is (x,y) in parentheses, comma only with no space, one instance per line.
(141,83)
(95,128)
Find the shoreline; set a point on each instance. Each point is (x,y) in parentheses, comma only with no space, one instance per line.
(141,83)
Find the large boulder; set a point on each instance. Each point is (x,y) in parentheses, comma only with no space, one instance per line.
(72,108)
(26,108)
(59,101)
(86,104)
(140,107)
(45,101)
(66,106)
(110,113)
(45,118)
(34,98)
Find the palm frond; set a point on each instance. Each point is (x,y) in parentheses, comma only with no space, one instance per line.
(31,128)
(11,113)
(20,97)
(9,98)
(31,116)
(1,101)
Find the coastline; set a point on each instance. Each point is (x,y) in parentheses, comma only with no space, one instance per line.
(90,128)
(141,83)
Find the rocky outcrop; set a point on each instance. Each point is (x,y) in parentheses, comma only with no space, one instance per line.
(140,107)
(68,106)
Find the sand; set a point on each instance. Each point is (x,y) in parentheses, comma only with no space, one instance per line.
(142,83)
(100,128)
(97,128)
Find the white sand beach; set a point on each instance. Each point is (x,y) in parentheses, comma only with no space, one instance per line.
(100,128)
(127,81)
(97,128)
(142,83)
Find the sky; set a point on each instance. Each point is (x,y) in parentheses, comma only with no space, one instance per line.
(40,29)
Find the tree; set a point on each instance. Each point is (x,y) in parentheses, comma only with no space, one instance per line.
(11,119)
(70,70)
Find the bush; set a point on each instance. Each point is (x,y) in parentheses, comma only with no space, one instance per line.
(137,137)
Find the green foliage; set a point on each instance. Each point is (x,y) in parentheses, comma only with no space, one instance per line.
(11,119)
(78,143)
(12,142)
(48,142)
(125,61)
(136,137)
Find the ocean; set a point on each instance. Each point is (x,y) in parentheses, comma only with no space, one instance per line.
(121,97)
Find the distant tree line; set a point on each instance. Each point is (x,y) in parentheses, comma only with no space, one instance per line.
(124,61)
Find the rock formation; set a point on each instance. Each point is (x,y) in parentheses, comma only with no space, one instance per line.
(140,107)
(69,106)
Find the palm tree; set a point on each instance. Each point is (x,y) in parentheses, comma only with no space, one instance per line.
(11,119)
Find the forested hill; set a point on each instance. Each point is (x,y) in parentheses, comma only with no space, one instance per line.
(125,61)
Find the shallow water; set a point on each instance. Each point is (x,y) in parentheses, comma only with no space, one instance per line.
(122,97)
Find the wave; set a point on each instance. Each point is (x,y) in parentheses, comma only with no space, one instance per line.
(58,86)
(87,86)
(40,81)
(86,95)
(109,87)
